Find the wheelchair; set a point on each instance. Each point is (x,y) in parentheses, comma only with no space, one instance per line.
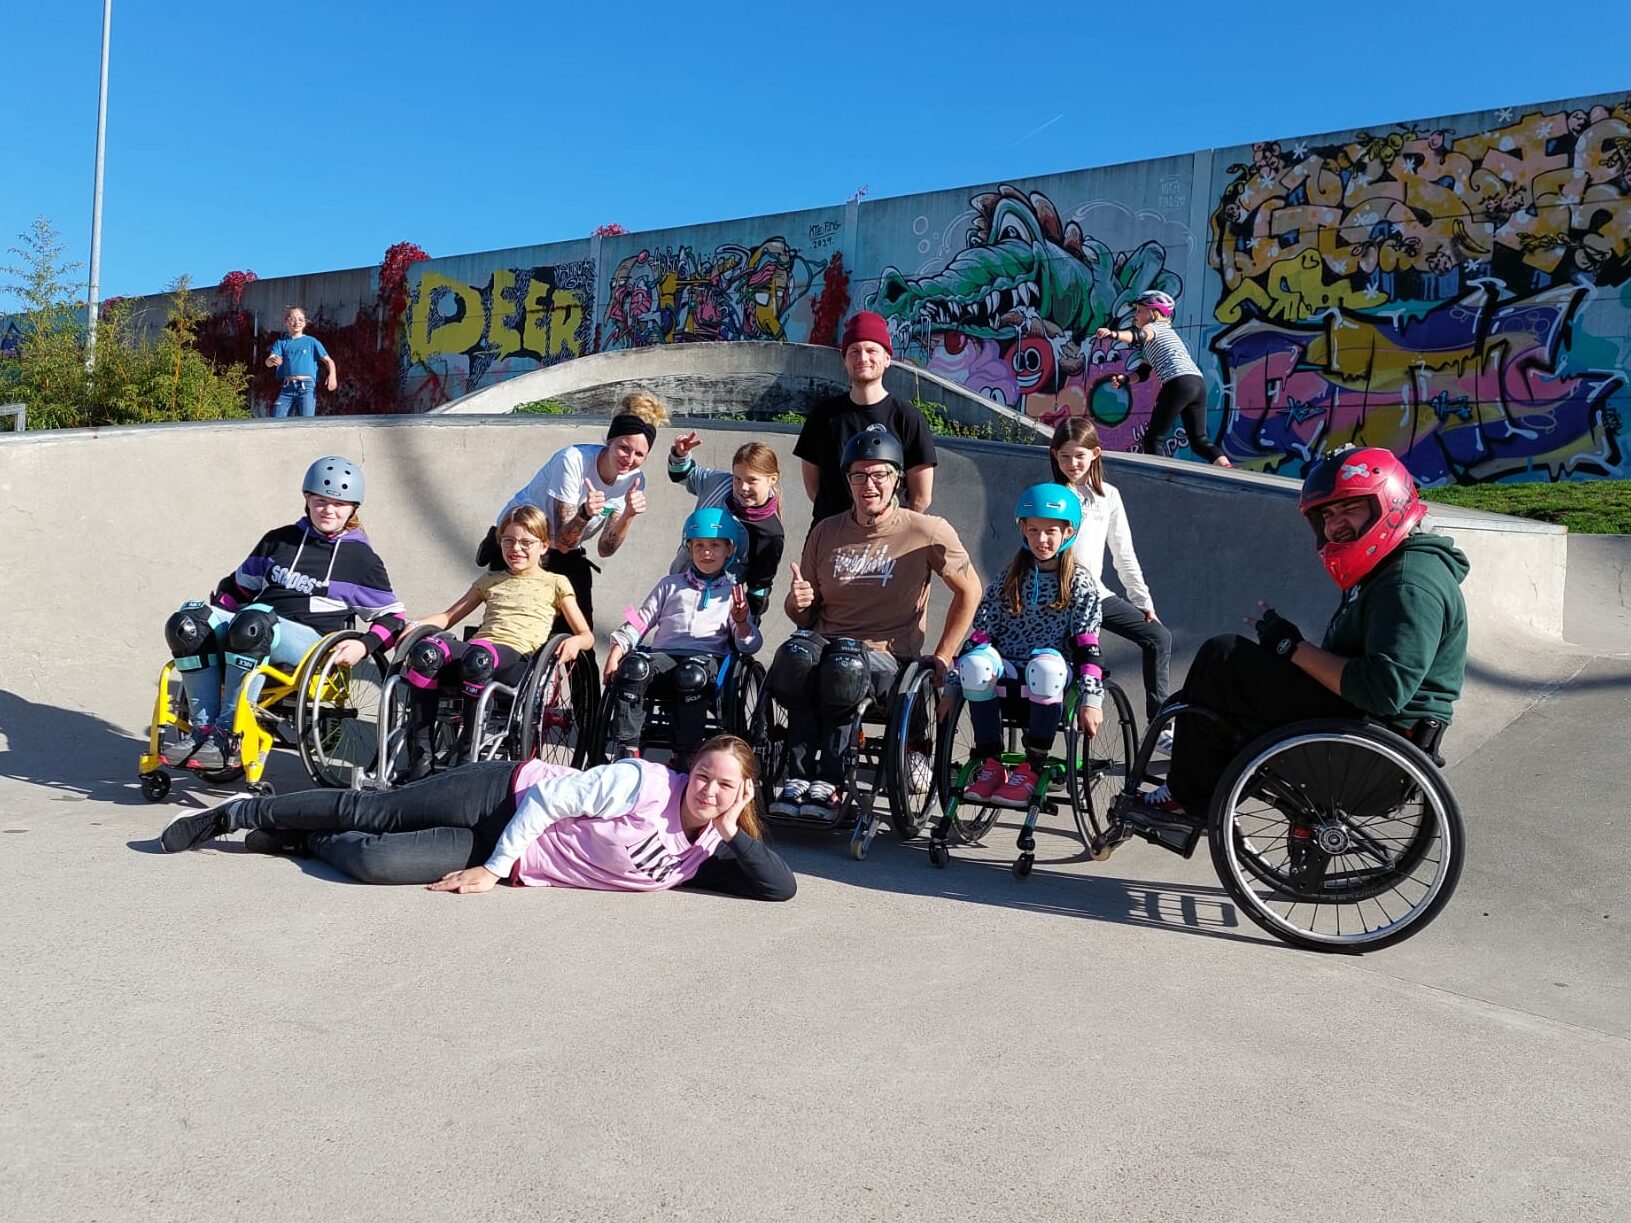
(1092,770)
(545,713)
(878,752)
(327,711)
(1332,834)
(737,690)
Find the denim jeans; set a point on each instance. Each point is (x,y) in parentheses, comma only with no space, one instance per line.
(413,834)
(212,691)
(296,390)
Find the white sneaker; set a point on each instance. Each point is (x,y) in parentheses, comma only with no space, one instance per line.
(1163,741)
(919,773)
(790,798)
(823,802)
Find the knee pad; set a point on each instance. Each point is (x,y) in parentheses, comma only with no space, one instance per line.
(691,680)
(1047,675)
(191,637)
(478,663)
(251,635)
(635,670)
(791,669)
(980,670)
(845,678)
(426,660)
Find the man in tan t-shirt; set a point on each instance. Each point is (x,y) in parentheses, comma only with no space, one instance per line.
(860,596)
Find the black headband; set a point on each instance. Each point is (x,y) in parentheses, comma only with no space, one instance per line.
(625,423)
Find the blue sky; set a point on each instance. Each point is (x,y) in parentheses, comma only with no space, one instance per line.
(303,137)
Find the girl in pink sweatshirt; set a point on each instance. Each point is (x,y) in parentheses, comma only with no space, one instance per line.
(632,826)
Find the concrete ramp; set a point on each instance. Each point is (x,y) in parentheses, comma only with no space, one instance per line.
(223,1035)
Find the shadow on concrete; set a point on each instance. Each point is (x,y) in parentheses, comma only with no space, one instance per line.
(65,749)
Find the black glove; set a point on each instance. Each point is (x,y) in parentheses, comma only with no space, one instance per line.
(1276,633)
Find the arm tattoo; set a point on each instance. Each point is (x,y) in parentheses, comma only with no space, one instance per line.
(566,525)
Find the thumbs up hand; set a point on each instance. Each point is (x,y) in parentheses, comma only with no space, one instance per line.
(803,593)
(594,501)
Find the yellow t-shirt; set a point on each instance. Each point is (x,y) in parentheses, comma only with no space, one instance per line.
(520,610)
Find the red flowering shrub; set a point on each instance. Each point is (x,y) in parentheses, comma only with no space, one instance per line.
(831,304)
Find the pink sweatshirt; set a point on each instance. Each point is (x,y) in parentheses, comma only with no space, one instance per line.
(614,828)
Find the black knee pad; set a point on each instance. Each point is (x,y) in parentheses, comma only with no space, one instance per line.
(191,637)
(791,669)
(845,678)
(691,680)
(251,635)
(426,659)
(478,663)
(634,671)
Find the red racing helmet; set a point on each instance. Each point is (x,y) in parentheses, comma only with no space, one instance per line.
(1374,473)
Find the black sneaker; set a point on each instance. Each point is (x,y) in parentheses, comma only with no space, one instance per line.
(192,829)
(202,752)
(278,841)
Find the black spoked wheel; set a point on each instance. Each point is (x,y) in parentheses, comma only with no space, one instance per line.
(1096,765)
(742,702)
(558,719)
(954,749)
(767,735)
(1336,836)
(337,712)
(910,750)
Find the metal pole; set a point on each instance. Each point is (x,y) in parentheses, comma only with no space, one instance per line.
(96,199)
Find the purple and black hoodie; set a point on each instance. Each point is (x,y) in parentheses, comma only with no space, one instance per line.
(312,579)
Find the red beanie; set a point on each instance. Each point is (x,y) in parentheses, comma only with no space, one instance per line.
(866,326)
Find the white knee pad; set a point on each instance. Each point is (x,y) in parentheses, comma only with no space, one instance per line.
(980,670)
(1047,676)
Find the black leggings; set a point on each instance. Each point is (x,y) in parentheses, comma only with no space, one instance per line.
(413,834)
(1184,395)
(1153,639)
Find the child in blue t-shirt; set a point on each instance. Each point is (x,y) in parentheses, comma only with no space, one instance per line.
(295,358)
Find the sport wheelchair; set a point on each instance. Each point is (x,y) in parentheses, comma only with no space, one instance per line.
(326,710)
(547,713)
(882,741)
(737,690)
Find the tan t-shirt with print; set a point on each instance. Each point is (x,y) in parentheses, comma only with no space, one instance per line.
(520,610)
(873,583)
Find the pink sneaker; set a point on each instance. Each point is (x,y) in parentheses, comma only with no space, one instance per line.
(991,775)
(1019,787)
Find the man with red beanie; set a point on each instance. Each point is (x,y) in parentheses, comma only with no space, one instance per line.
(832,422)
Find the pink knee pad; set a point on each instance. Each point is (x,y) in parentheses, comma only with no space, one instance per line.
(428,656)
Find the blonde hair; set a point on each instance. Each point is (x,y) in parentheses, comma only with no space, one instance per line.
(758,458)
(530,519)
(736,747)
(647,407)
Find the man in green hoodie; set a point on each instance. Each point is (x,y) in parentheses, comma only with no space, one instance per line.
(1395,650)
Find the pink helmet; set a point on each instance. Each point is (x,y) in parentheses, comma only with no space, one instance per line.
(1373,473)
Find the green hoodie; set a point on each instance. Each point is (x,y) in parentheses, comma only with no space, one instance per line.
(1404,630)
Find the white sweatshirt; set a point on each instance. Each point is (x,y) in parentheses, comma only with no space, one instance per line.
(1105,521)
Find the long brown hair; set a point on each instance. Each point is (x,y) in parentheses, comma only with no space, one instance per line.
(1082,432)
(1024,564)
(733,746)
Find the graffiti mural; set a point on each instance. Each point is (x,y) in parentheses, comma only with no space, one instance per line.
(464,336)
(1423,290)
(730,293)
(1011,314)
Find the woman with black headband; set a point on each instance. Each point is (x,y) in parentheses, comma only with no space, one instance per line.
(590,490)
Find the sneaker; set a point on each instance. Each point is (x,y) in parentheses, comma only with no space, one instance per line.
(199,752)
(991,775)
(276,841)
(1163,741)
(1019,787)
(192,829)
(919,773)
(823,801)
(790,798)
(1161,799)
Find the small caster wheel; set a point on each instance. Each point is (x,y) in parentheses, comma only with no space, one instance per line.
(857,848)
(262,789)
(1022,866)
(939,855)
(155,786)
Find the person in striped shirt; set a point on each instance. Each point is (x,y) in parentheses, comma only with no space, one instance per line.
(751,493)
(1159,351)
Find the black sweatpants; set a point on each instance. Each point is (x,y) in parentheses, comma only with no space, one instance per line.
(688,718)
(1153,639)
(1185,396)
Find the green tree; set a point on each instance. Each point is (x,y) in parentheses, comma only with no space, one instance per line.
(140,374)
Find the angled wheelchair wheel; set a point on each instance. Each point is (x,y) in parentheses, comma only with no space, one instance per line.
(557,710)
(1096,765)
(910,750)
(337,712)
(1334,835)
(767,736)
(746,688)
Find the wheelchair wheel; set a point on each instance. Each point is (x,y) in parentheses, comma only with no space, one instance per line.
(1336,836)
(557,707)
(337,712)
(767,736)
(910,751)
(1096,766)
(747,687)
(954,748)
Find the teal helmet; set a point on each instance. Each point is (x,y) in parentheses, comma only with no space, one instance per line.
(715,523)
(1051,501)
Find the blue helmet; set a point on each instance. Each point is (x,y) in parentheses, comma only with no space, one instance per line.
(715,523)
(336,477)
(1051,501)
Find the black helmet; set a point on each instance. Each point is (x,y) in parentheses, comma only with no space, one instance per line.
(874,444)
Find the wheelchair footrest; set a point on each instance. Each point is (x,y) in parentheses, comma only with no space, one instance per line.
(1179,833)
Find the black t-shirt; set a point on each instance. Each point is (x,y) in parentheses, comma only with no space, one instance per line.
(831,424)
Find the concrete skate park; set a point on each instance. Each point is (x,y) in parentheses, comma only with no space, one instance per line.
(226,1035)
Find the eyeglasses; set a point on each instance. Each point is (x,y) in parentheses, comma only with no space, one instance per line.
(519,545)
(875,478)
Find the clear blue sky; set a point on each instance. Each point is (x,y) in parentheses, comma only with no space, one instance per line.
(299,137)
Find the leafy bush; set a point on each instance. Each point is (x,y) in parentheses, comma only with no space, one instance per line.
(545,407)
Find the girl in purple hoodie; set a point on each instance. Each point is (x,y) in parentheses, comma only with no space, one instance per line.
(632,826)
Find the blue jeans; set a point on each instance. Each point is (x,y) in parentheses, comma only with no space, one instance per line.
(301,390)
(213,690)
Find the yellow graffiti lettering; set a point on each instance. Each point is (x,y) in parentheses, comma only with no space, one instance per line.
(500,334)
(436,328)
(553,311)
